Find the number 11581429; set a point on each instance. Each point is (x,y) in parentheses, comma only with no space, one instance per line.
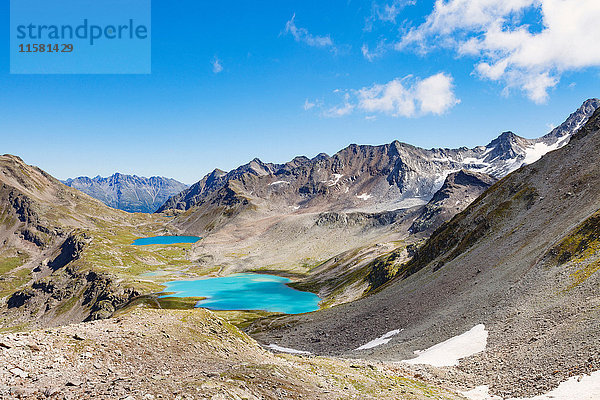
(46,48)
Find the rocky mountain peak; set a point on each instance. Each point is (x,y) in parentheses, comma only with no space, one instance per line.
(13,158)
(575,121)
(471,178)
(458,191)
(130,193)
(375,178)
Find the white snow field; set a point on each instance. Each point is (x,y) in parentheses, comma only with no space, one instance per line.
(287,349)
(449,352)
(585,387)
(380,340)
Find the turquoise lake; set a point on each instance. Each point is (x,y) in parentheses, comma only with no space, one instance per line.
(165,240)
(246,292)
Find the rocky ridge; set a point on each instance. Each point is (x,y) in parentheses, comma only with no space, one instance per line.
(458,191)
(55,242)
(373,178)
(129,193)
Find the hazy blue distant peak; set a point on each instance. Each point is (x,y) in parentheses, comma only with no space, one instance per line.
(130,193)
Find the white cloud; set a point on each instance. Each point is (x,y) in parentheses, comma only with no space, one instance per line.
(435,94)
(407,97)
(303,36)
(340,111)
(506,48)
(391,98)
(386,12)
(216,65)
(309,105)
(379,51)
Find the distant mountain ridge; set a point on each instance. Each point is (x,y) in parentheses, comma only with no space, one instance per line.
(130,193)
(371,178)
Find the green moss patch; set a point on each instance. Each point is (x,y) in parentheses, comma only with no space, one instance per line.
(9,263)
(579,247)
(12,282)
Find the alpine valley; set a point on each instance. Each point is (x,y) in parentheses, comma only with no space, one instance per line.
(467,273)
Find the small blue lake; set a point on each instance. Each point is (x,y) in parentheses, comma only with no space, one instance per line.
(165,240)
(246,292)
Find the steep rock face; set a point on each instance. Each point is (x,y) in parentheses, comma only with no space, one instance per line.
(70,294)
(522,259)
(129,193)
(374,178)
(20,213)
(457,192)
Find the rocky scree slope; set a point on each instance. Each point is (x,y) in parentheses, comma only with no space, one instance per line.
(130,193)
(154,354)
(523,259)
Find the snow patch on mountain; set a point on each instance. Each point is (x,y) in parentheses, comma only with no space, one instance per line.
(335,180)
(585,387)
(449,352)
(380,340)
(537,150)
(287,349)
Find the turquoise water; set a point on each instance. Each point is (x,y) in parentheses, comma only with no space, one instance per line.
(165,240)
(246,292)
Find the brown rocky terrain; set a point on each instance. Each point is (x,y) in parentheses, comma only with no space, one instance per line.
(166,354)
(458,191)
(54,264)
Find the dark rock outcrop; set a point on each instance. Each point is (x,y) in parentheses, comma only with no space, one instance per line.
(70,250)
(458,191)
(88,294)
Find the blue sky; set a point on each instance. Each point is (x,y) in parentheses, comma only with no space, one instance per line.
(232,81)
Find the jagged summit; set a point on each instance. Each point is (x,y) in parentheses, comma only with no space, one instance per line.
(458,191)
(13,157)
(375,178)
(130,193)
(575,121)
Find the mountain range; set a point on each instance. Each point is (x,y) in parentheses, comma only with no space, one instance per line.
(410,250)
(372,178)
(130,193)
